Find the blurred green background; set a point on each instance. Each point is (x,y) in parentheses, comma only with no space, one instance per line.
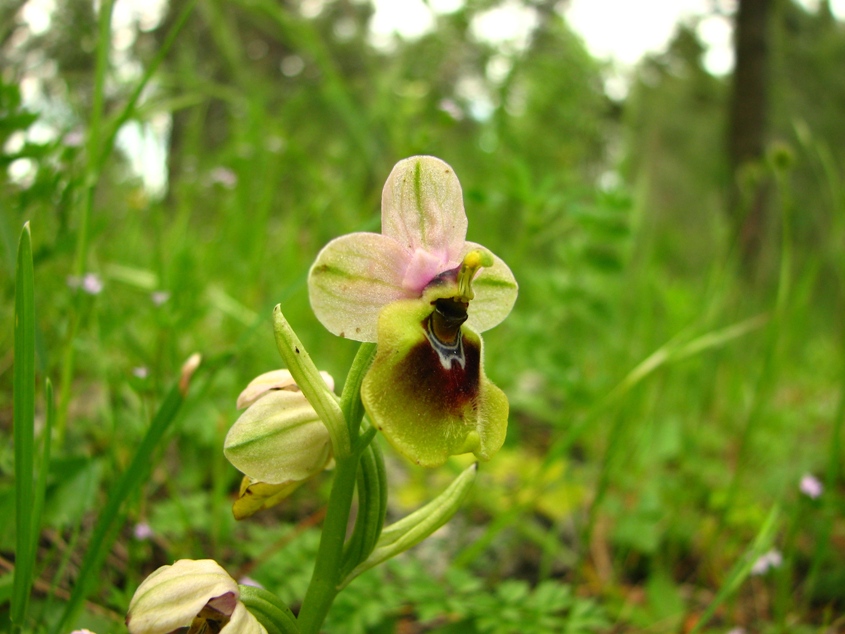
(672,376)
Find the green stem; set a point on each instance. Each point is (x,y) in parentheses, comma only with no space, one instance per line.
(94,135)
(767,380)
(350,400)
(326,578)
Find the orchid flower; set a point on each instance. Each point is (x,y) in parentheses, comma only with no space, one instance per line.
(195,594)
(278,442)
(423,293)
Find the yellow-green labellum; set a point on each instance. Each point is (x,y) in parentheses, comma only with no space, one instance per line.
(427,391)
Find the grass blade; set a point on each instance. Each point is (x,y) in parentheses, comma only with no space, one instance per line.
(742,568)
(149,71)
(24,431)
(44,465)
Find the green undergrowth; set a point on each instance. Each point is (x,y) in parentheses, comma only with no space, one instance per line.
(665,403)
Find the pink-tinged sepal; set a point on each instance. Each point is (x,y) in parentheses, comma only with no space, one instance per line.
(427,391)
(422,208)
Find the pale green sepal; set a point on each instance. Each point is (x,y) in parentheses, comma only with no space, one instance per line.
(269,610)
(270,381)
(414,528)
(279,438)
(313,386)
(495,291)
(352,278)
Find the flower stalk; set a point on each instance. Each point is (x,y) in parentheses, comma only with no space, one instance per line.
(325,580)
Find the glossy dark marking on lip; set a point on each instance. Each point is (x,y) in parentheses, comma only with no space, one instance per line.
(449,353)
(442,392)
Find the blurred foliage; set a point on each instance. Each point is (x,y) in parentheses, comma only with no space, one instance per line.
(677,113)
(633,478)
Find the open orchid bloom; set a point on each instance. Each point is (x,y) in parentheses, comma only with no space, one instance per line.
(423,293)
(278,442)
(194,594)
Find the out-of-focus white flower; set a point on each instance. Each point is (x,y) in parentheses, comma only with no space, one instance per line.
(198,594)
(811,486)
(74,138)
(767,561)
(224,176)
(159,297)
(91,283)
(451,108)
(140,372)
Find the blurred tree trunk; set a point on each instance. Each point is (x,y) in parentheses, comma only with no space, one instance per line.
(748,124)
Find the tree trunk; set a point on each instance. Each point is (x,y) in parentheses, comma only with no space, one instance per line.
(748,123)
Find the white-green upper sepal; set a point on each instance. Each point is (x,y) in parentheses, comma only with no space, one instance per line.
(278,439)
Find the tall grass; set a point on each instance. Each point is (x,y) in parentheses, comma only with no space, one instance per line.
(24,438)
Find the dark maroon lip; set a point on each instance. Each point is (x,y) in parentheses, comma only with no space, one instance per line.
(444,380)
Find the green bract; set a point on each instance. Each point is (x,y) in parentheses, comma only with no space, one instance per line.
(423,293)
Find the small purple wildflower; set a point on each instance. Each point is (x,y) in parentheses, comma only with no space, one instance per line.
(142,531)
(811,486)
(92,284)
(767,561)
